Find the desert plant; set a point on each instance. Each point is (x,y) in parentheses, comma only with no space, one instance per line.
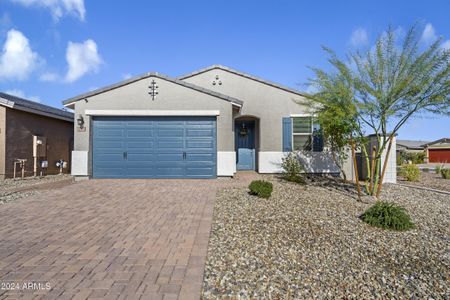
(261,188)
(438,169)
(410,172)
(445,173)
(381,89)
(415,158)
(388,215)
(292,169)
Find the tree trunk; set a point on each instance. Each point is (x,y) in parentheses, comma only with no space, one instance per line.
(384,166)
(372,170)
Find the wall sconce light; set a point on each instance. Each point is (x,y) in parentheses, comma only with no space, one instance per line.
(80,122)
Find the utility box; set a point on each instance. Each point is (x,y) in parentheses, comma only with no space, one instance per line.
(39,146)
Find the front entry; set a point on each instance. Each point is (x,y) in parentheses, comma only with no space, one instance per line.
(245,145)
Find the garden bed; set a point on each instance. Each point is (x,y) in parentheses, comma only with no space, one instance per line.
(428,180)
(308,242)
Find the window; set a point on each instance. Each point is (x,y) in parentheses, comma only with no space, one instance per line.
(306,134)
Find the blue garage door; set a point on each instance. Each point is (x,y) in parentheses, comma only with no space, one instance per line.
(154,147)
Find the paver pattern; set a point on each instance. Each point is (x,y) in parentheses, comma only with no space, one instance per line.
(114,239)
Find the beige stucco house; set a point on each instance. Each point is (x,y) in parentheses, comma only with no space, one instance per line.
(208,123)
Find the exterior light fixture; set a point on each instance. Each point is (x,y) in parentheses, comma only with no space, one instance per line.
(80,122)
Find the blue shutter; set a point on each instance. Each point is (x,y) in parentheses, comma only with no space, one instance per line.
(287,134)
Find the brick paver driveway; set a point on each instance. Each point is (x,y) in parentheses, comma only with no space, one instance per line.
(109,239)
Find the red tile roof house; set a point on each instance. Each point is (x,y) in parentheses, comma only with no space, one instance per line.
(205,124)
(33,132)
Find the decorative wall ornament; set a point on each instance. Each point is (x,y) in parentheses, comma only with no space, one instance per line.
(243,131)
(217,81)
(153,89)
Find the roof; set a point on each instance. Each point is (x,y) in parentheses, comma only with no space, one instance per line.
(411,144)
(443,140)
(18,103)
(157,75)
(224,68)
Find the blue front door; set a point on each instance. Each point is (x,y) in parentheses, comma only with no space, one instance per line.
(245,145)
(154,147)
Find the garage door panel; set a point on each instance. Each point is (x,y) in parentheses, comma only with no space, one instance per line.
(199,172)
(199,132)
(199,157)
(140,144)
(140,157)
(139,133)
(168,157)
(155,147)
(439,155)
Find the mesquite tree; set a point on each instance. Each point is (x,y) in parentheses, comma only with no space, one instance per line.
(381,89)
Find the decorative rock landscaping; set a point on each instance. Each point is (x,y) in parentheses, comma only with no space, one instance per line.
(308,242)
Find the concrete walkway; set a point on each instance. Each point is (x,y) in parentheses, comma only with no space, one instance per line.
(114,239)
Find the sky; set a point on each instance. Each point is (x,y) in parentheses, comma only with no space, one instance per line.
(52,50)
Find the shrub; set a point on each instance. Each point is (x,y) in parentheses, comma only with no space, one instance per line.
(292,169)
(438,169)
(410,172)
(445,173)
(388,216)
(261,188)
(414,157)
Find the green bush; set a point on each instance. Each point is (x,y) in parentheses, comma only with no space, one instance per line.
(414,157)
(445,173)
(292,169)
(261,188)
(438,169)
(410,172)
(388,216)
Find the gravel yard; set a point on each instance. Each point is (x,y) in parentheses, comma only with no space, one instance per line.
(13,189)
(308,242)
(429,180)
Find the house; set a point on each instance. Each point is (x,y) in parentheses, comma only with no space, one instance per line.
(33,136)
(410,146)
(437,151)
(205,124)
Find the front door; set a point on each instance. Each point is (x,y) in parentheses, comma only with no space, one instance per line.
(245,145)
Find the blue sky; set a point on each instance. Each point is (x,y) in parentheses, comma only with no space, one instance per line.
(56,49)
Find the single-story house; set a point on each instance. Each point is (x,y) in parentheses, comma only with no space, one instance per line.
(33,136)
(410,146)
(205,124)
(437,151)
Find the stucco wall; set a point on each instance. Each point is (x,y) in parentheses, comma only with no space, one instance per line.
(266,102)
(20,128)
(2,141)
(171,96)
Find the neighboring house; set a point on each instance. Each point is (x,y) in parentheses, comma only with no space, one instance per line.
(209,123)
(437,151)
(410,146)
(33,132)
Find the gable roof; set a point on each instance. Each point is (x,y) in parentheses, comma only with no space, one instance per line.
(411,144)
(236,72)
(18,103)
(443,140)
(157,75)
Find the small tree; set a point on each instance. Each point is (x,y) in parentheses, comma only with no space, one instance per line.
(383,89)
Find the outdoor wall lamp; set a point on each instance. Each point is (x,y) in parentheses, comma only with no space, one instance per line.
(80,122)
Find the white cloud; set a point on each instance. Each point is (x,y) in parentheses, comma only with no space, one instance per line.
(21,94)
(17,59)
(126,76)
(58,8)
(428,34)
(82,58)
(49,77)
(359,37)
(446,45)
